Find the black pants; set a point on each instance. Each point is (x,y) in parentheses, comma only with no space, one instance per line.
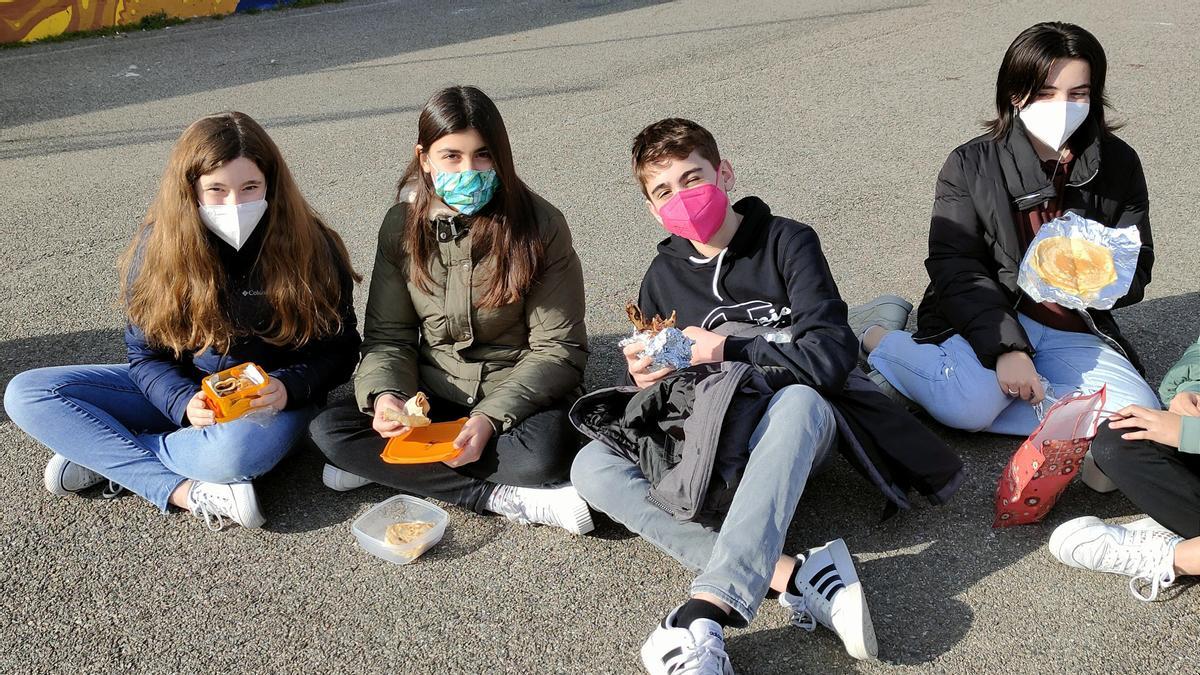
(1158,479)
(536,453)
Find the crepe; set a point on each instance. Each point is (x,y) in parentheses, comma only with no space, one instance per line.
(1073,264)
(399,534)
(643,325)
(415,413)
(230,385)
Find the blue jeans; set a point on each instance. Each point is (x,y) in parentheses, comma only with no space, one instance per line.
(950,383)
(97,417)
(793,438)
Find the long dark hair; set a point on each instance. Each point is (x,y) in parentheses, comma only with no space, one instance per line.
(504,233)
(176,295)
(1027,64)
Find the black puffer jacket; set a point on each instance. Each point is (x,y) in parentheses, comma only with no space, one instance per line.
(689,433)
(974,249)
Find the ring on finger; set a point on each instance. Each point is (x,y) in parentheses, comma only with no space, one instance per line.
(1013,392)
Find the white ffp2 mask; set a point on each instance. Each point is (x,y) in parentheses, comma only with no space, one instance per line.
(233,223)
(1053,122)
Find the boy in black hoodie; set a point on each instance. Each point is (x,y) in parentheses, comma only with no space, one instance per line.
(738,265)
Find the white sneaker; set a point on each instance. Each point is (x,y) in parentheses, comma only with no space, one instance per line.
(215,503)
(1146,555)
(831,595)
(698,649)
(561,507)
(337,479)
(1146,523)
(1093,477)
(64,477)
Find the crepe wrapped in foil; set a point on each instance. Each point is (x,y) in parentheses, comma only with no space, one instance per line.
(668,348)
(661,341)
(1078,263)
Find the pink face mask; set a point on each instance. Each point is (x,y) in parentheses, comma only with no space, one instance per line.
(696,213)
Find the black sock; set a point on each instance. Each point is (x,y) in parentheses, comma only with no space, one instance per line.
(791,585)
(700,609)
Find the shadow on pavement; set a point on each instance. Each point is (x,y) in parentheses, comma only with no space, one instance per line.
(218,57)
(16,148)
(84,347)
(283,44)
(1161,329)
(606,365)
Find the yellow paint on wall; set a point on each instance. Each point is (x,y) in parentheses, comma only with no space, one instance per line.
(54,24)
(28,20)
(132,11)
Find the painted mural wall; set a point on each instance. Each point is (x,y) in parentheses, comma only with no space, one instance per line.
(32,19)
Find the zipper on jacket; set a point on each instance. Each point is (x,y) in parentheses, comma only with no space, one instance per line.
(1085,181)
(651,498)
(1107,340)
(1018,200)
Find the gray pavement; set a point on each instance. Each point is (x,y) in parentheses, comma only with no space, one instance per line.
(838,113)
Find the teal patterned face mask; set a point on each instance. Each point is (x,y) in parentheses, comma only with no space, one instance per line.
(466,191)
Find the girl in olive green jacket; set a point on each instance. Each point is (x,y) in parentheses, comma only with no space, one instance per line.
(476,300)
(1153,456)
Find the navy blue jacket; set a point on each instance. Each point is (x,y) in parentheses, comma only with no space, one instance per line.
(308,373)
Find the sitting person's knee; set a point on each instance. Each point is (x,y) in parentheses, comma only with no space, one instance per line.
(329,427)
(964,413)
(797,397)
(1107,450)
(20,393)
(584,469)
(797,402)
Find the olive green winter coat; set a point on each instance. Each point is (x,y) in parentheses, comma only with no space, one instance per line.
(507,362)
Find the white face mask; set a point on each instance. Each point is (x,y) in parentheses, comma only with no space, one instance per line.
(1053,122)
(233,223)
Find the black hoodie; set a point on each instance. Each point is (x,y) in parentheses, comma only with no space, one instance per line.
(772,274)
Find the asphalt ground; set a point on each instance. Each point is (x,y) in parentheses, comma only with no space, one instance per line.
(837,113)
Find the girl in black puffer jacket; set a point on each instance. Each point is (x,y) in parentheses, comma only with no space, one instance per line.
(983,351)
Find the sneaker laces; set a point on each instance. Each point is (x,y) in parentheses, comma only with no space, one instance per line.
(701,660)
(504,501)
(112,491)
(1159,575)
(802,618)
(212,509)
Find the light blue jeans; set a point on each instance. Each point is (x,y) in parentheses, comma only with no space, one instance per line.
(950,383)
(795,436)
(97,417)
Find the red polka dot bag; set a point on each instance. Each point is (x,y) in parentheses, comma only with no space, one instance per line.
(1048,460)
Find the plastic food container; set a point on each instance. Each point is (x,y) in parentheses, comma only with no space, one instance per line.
(230,405)
(370,527)
(422,445)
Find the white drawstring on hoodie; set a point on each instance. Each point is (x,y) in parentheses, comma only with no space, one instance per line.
(716,273)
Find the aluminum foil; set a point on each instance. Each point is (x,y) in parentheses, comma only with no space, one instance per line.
(670,348)
(1124,243)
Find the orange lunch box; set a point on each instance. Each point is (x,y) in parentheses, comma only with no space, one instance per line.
(246,381)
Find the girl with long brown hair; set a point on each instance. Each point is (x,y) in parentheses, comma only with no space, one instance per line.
(231,265)
(477,301)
